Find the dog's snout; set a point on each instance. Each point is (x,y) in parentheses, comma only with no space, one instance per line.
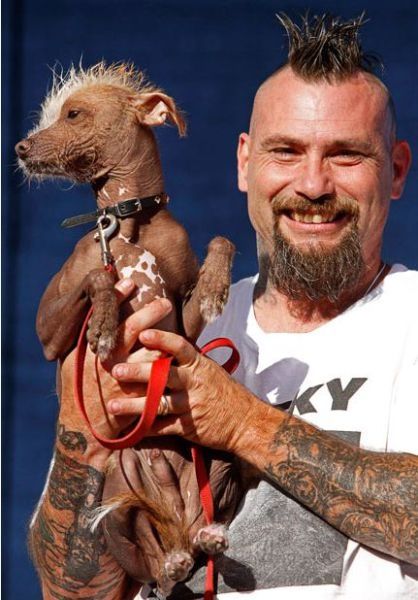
(22,148)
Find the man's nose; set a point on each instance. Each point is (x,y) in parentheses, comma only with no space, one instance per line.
(314,181)
(22,148)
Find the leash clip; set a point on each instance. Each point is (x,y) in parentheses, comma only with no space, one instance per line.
(106,226)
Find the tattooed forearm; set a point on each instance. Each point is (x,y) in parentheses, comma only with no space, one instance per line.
(370,496)
(78,488)
(72,560)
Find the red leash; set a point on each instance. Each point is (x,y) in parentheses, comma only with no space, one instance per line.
(202,475)
(156,385)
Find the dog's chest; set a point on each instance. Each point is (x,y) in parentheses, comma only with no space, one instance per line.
(140,265)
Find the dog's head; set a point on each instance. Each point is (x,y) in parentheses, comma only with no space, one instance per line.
(92,120)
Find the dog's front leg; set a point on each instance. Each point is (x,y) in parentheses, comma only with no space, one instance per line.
(102,329)
(61,312)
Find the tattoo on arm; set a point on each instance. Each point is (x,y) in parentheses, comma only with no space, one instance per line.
(72,440)
(73,561)
(372,497)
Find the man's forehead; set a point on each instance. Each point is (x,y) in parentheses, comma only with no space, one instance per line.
(285,97)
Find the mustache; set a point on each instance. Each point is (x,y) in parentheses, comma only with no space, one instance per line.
(325,205)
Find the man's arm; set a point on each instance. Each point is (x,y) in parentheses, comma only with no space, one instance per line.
(72,561)
(370,496)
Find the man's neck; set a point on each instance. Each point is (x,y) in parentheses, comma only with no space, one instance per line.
(276,313)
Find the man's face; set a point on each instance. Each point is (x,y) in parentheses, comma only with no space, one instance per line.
(320,161)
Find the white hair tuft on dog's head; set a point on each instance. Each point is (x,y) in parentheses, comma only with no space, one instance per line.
(122,74)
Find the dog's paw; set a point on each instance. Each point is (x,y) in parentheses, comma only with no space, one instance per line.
(101,343)
(105,345)
(212,539)
(177,565)
(211,306)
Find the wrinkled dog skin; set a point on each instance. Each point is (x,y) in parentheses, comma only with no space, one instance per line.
(96,127)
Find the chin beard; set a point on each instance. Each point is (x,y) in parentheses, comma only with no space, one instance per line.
(316,273)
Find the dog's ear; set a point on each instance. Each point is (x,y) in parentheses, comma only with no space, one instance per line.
(154,108)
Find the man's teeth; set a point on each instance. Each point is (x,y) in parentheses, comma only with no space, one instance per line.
(309,218)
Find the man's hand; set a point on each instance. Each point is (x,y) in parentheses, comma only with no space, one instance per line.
(206,406)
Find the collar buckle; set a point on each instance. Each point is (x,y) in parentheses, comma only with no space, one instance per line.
(126,208)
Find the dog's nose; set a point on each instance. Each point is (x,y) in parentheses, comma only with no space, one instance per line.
(22,148)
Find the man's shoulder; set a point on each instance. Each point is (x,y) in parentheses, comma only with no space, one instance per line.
(402,281)
(240,293)
(245,282)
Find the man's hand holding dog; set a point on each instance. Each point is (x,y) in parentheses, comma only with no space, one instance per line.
(206,405)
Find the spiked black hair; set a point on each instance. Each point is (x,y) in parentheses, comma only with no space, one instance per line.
(325,47)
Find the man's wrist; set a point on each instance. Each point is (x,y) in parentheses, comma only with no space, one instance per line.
(252,439)
(74,437)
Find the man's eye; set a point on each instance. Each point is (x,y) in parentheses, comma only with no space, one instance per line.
(284,152)
(72,114)
(348,156)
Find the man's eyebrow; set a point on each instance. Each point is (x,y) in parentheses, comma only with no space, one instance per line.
(352,143)
(282,140)
(337,144)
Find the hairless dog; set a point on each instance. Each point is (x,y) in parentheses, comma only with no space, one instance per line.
(96,127)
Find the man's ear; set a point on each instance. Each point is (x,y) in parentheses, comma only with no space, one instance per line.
(401,161)
(154,108)
(243,151)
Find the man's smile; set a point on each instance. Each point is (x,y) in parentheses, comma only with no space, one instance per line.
(314,222)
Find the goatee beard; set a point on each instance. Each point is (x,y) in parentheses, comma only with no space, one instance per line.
(316,273)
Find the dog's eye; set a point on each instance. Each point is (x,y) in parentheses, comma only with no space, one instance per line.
(72,114)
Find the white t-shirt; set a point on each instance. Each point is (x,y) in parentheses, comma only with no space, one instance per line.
(356,376)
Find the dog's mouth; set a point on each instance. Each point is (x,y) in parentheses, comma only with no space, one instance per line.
(39,167)
(38,170)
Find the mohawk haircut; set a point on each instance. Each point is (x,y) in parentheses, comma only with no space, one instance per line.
(325,47)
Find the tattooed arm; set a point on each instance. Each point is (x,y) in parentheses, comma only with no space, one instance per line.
(370,496)
(71,560)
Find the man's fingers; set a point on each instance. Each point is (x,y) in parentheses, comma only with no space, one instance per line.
(147,316)
(124,287)
(143,355)
(132,372)
(126,406)
(136,406)
(169,342)
(140,372)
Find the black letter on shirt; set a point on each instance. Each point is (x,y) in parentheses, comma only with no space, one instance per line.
(341,397)
(302,402)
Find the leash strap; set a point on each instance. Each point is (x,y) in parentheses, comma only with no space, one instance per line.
(202,476)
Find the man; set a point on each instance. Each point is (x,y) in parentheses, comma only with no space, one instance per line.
(327,327)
